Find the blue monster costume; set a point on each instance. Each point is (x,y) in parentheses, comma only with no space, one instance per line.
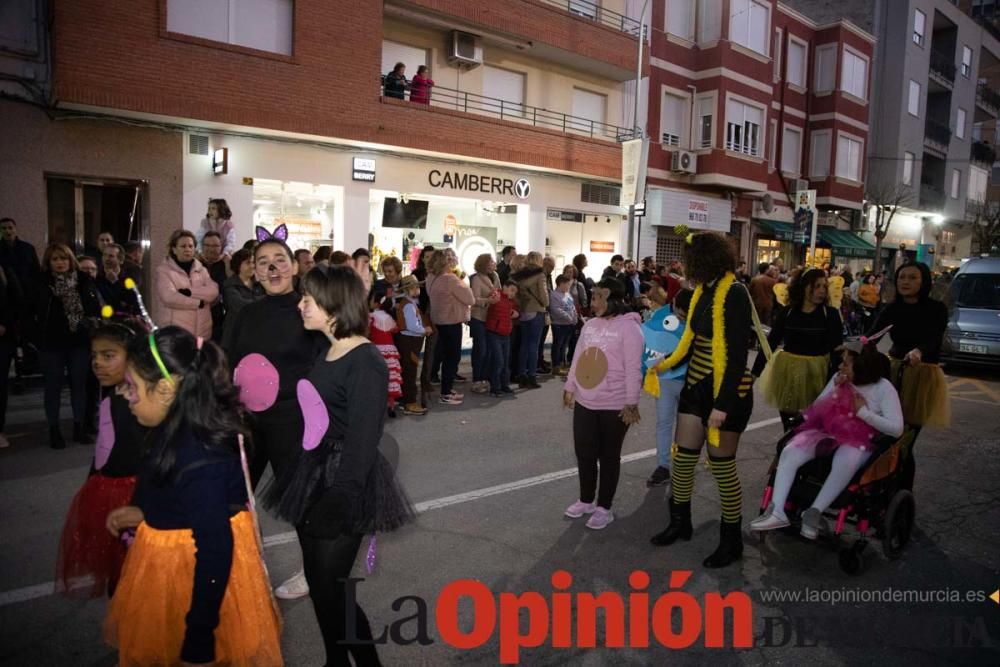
(662,333)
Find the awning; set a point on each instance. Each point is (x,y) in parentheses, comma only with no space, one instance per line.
(846,244)
(781,231)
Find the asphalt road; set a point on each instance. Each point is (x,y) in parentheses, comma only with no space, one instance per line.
(492,478)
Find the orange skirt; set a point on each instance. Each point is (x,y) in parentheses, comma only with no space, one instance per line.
(145,619)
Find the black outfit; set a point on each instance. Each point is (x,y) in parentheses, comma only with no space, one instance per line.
(342,489)
(132,270)
(598,436)
(808,334)
(236,296)
(395,85)
(736,395)
(609,272)
(20,260)
(9,305)
(204,491)
(503,272)
(131,437)
(217,272)
(272,327)
(631,289)
(116,295)
(918,325)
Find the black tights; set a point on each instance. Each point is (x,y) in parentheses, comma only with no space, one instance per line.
(598,436)
(327,563)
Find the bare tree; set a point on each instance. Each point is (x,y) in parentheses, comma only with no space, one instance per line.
(884,198)
(985,219)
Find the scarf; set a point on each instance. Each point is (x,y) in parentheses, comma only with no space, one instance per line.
(64,286)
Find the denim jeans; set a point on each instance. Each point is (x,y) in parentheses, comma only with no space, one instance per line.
(55,362)
(480,351)
(666,417)
(561,335)
(531,333)
(499,360)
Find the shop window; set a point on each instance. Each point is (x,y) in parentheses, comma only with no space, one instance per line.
(305,208)
(262,24)
(824,257)
(768,250)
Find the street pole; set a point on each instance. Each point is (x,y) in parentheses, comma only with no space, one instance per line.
(637,132)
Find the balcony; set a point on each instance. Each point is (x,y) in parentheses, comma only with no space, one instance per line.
(983,153)
(931,197)
(594,12)
(937,134)
(942,69)
(987,101)
(492,107)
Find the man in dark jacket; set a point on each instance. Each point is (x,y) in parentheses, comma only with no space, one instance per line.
(503,266)
(133,261)
(18,257)
(617,263)
(211,257)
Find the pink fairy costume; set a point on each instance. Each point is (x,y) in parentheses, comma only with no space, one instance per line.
(832,417)
(383,326)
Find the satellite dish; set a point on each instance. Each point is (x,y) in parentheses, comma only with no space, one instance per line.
(767,203)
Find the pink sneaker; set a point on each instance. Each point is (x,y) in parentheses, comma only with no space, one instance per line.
(600,519)
(579,508)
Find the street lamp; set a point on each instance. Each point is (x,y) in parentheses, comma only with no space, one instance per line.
(637,132)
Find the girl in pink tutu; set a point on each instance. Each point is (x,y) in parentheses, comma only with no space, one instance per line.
(856,405)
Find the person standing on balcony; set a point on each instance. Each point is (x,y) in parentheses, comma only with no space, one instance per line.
(420,86)
(395,83)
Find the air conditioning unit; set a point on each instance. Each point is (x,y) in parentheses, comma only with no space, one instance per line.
(684,162)
(466,50)
(859,221)
(797,184)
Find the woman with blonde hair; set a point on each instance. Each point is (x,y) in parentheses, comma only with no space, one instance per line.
(532,302)
(486,289)
(450,300)
(184,288)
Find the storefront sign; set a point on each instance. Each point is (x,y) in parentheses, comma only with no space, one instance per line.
(602,246)
(697,212)
(364,169)
(457,180)
(563,216)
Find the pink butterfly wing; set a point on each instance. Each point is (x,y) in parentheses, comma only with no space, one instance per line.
(258,381)
(105,435)
(314,414)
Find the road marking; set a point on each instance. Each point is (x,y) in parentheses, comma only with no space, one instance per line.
(42,590)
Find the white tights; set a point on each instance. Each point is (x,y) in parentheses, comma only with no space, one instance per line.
(802,449)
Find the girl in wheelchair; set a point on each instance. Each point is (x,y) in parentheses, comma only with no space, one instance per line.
(857,404)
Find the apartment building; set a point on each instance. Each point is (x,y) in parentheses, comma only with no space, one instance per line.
(279,106)
(932,104)
(750,102)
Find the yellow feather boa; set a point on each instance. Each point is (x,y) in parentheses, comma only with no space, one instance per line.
(719,351)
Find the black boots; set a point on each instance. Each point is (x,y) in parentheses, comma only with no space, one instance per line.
(679,528)
(80,434)
(55,438)
(730,545)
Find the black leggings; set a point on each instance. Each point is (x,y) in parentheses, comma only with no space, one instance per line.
(327,564)
(277,439)
(597,437)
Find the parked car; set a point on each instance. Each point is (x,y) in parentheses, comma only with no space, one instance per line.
(973,334)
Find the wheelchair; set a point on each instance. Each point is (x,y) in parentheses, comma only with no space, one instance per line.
(878,501)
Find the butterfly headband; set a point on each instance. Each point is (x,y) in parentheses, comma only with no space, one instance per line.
(280,234)
(130,285)
(858,344)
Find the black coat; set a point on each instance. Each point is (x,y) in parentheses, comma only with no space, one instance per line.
(50,318)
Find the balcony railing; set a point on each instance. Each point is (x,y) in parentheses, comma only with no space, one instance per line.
(937,132)
(931,197)
(460,100)
(594,12)
(983,153)
(988,98)
(943,66)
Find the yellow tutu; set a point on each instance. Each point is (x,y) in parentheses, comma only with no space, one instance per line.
(923,394)
(791,382)
(145,619)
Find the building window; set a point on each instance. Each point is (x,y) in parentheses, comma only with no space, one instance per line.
(826,67)
(913,103)
(772,151)
(983,8)
(680,15)
(587,10)
(960,117)
(673,125)
(797,57)
(706,122)
(966,61)
(978,180)
(508,86)
(854,75)
(265,25)
(956,182)
(848,158)
(908,159)
(819,155)
(778,34)
(791,150)
(589,106)
(749,24)
(919,21)
(709,21)
(744,125)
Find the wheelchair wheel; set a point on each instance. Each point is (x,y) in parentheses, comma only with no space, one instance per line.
(898,524)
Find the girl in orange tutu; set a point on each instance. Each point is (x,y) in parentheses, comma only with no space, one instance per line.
(193,588)
(90,560)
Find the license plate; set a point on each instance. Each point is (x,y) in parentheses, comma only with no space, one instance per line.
(972,349)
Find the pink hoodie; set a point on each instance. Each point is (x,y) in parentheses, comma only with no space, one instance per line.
(618,342)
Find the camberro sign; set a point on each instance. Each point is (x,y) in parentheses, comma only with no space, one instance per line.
(494,185)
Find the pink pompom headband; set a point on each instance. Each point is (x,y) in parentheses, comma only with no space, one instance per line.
(858,344)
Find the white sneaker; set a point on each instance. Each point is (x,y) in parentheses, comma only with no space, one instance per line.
(293,588)
(770,520)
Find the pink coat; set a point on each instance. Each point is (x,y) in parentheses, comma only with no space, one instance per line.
(175,308)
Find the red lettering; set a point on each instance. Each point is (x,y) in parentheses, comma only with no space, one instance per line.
(638,610)
(690,614)
(587,605)
(511,639)
(562,610)
(715,619)
(484,613)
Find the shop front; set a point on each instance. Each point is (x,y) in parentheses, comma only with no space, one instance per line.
(667,209)
(772,242)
